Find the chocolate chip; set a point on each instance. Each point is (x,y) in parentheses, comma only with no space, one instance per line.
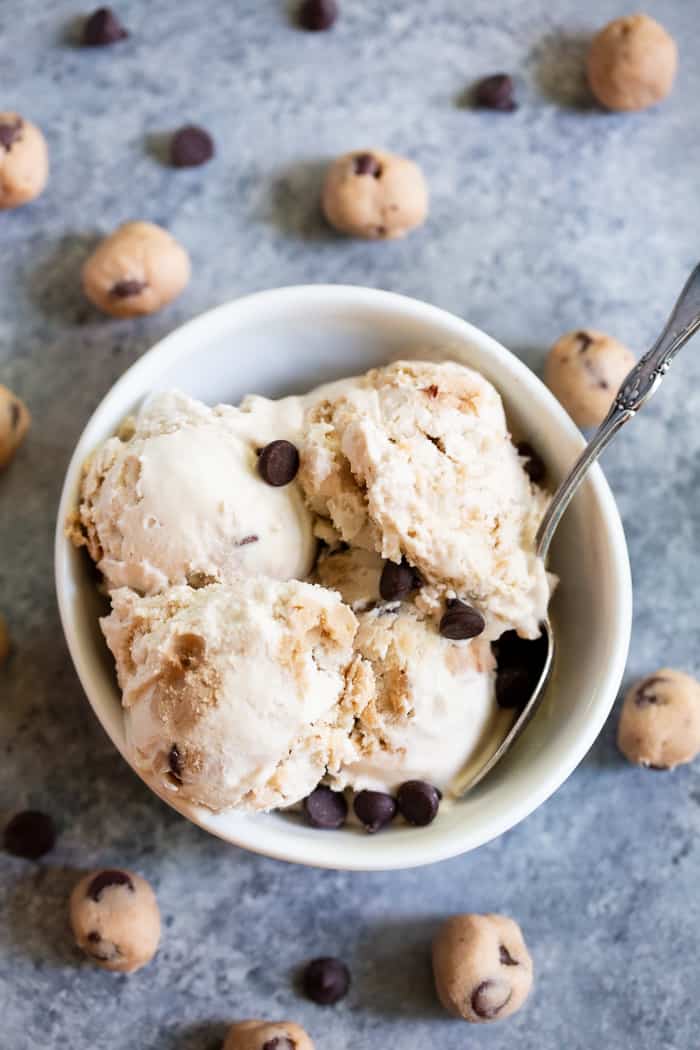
(490,997)
(461,621)
(505,957)
(191,146)
(278,463)
(175,762)
(495,92)
(534,466)
(104,879)
(317,15)
(418,802)
(375,809)
(645,694)
(30,834)
(584,341)
(658,769)
(94,937)
(103,28)
(247,540)
(280,1042)
(125,289)
(398,580)
(325,809)
(366,164)
(15,413)
(514,687)
(10,133)
(326,980)
(432,391)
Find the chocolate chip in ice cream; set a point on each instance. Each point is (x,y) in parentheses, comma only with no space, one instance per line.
(418,802)
(367,164)
(374,809)
(30,834)
(398,580)
(495,92)
(191,146)
(325,809)
(317,15)
(103,28)
(104,879)
(326,980)
(461,621)
(534,465)
(278,463)
(175,764)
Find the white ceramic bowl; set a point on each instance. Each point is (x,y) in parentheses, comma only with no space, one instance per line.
(287,341)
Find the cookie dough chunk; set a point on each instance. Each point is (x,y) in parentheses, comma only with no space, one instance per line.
(584,370)
(374,194)
(115,919)
(660,721)
(267,1035)
(24,161)
(14,424)
(138,269)
(482,968)
(632,63)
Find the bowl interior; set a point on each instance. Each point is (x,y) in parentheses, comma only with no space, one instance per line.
(288,341)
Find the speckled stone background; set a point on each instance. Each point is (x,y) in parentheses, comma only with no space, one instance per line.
(553,217)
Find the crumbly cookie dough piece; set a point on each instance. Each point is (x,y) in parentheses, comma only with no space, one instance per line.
(482,968)
(267,1035)
(375,194)
(660,721)
(136,270)
(632,63)
(584,371)
(24,160)
(14,424)
(115,919)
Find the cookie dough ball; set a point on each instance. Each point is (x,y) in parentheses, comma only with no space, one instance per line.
(374,194)
(584,370)
(24,161)
(660,721)
(267,1035)
(4,640)
(115,919)
(632,63)
(137,270)
(14,424)
(482,968)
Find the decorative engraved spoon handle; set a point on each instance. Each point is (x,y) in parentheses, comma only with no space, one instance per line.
(643,380)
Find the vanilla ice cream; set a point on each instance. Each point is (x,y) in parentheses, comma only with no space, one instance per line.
(415,460)
(236,695)
(178,498)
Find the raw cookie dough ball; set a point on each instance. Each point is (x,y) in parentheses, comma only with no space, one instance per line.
(660,721)
(632,63)
(584,371)
(267,1035)
(24,161)
(137,270)
(14,424)
(374,194)
(482,968)
(115,919)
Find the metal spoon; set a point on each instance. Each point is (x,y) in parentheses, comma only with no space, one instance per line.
(639,385)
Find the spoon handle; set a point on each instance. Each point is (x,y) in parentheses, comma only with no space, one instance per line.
(639,385)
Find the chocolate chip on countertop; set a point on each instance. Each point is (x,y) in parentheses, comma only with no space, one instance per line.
(10,133)
(375,809)
(461,621)
(104,879)
(534,465)
(366,164)
(30,834)
(505,957)
(418,802)
(125,289)
(103,28)
(490,997)
(326,980)
(191,146)
(398,580)
(495,92)
(278,463)
(280,1042)
(325,809)
(317,15)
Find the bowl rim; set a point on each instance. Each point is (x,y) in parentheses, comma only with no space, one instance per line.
(317,851)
